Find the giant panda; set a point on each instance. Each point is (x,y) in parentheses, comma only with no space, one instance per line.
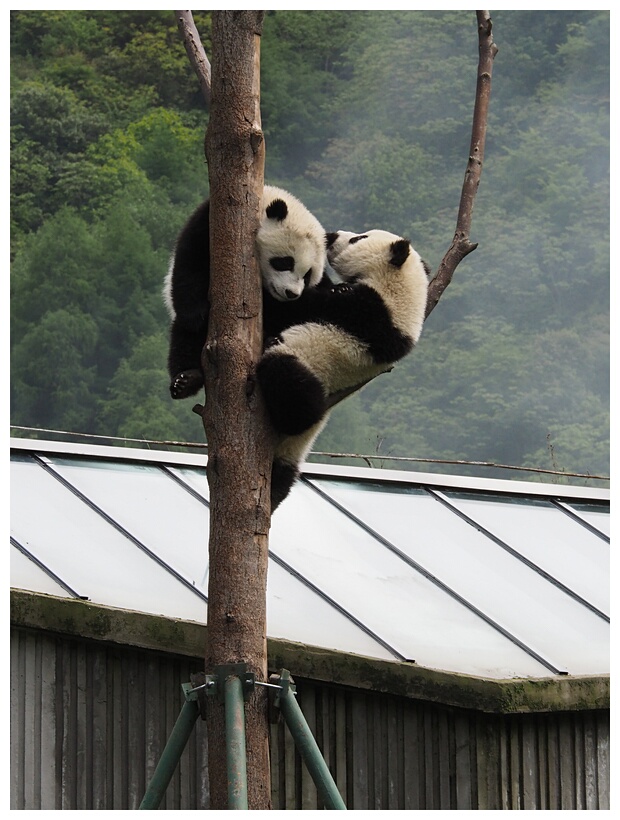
(291,250)
(358,329)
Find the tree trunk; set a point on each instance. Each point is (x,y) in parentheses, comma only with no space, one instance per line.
(239,465)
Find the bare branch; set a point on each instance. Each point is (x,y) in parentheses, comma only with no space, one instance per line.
(461,244)
(195,52)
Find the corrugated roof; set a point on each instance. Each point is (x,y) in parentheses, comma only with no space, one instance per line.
(496,579)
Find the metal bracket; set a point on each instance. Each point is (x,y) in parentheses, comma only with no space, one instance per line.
(283,683)
(286,684)
(203,685)
(227,670)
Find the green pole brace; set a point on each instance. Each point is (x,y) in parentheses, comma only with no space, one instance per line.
(234,708)
(233,684)
(173,750)
(306,744)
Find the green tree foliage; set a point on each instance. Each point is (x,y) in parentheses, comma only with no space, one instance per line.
(133,405)
(367,118)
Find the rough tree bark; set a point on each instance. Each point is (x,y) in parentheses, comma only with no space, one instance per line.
(240,454)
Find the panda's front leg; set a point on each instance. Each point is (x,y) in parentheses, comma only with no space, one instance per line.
(184,368)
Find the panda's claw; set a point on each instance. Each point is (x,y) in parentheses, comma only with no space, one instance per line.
(272,341)
(186,384)
(342,288)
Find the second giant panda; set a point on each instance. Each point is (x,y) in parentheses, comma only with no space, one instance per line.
(291,249)
(358,330)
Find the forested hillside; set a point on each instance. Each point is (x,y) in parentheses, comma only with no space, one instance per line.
(367,118)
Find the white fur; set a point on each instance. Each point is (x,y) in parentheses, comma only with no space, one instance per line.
(294,450)
(299,235)
(166,291)
(337,359)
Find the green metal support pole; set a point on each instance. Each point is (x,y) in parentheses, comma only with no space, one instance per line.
(235,743)
(308,748)
(171,755)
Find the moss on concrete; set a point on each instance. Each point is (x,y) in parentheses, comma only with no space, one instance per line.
(85,620)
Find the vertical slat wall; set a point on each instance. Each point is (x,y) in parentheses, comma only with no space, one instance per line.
(89,722)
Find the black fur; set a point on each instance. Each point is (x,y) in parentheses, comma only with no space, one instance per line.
(283,476)
(190,299)
(360,311)
(277,210)
(294,397)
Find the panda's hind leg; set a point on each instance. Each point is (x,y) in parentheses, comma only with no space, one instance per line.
(283,476)
(289,454)
(293,395)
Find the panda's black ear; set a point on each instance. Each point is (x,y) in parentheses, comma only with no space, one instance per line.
(400,251)
(277,210)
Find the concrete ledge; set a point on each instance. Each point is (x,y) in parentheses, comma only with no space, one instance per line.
(87,621)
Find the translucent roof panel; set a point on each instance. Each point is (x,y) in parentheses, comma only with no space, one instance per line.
(33,577)
(151,506)
(548,537)
(295,612)
(396,601)
(86,552)
(496,584)
(509,593)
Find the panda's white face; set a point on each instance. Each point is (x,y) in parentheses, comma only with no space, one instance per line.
(288,262)
(290,245)
(353,255)
(391,266)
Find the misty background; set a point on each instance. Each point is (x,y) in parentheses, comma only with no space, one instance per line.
(367,118)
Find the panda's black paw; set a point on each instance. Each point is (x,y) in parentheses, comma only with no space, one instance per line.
(272,341)
(343,287)
(186,384)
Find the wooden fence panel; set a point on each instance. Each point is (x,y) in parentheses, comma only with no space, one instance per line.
(89,722)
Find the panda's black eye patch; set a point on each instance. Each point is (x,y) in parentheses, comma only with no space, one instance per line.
(282,263)
(307,277)
(355,239)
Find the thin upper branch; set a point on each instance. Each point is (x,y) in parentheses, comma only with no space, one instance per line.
(461,244)
(195,52)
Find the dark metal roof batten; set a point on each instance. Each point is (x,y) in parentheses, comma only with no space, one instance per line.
(50,573)
(571,513)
